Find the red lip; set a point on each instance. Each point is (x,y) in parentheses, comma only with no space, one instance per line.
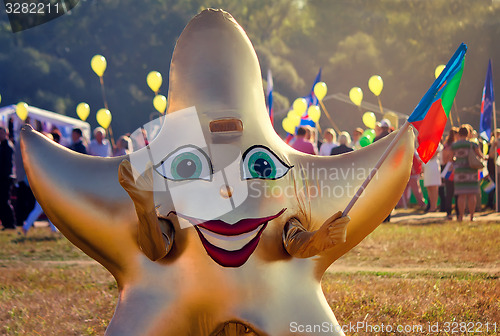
(231,258)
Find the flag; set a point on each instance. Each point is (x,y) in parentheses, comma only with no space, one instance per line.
(431,114)
(447,171)
(487,105)
(311,97)
(269,97)
(311,100)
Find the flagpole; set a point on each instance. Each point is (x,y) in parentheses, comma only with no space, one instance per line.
(494,146)
(328,116)
(375,169)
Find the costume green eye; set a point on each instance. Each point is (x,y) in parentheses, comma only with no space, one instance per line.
(185,163)
(260,163)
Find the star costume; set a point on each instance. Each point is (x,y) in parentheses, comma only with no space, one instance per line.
(217,227)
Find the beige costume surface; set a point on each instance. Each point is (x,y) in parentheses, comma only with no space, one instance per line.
(231,249)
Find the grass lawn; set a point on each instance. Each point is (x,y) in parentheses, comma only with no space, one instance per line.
(414,279)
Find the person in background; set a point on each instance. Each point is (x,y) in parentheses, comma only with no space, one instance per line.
(37,209)
(465,178)
(356,136)
(344,142)
(329,142)
(432,180)
(384,125)
(25,200)
(100,145)
(312,137)
(6,178)
(302,142)
(414,184)
(447,159)
(492,149)
(77,141)
(122,146)
(56,135)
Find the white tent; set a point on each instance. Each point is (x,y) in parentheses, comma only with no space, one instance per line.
(48,120)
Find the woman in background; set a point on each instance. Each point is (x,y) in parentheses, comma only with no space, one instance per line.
(466,179)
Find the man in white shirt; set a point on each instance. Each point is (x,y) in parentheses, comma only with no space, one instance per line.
(100,146)
(329,142)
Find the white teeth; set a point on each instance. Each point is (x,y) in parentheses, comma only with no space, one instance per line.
(229,243)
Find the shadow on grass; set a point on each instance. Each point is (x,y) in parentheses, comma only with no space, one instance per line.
(35,239)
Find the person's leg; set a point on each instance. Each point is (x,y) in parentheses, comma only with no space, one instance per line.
(417,192)
(32,217)
(24,204)
(472,204)
(6,210)
(52,227)
(461,199)
(432,191)
(449,187)
(442,197)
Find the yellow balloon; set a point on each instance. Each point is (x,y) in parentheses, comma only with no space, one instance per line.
(356,95)
(320,90)
(288,126)
(291,114)
(438,70)
(103,117)
(369,119)
(0,98)
(98,64)
(376,84)
(300,106)
(160,103)
(22,110)
(83,111)
(314,113)
(295,120)
(393,118)
(154,80)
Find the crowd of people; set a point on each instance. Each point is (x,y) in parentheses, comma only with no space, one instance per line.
(18,206)
(449,179)
(448,176)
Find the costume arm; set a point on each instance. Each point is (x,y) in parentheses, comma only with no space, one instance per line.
(153,242)
(301,243)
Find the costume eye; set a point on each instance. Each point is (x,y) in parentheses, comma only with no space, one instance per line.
(260,163)
(185,163)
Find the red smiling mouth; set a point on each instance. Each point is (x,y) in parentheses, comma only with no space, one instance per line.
(240,231)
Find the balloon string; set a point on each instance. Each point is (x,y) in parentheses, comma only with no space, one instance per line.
(380,105)
(375,169)
(110,130)
(328,116)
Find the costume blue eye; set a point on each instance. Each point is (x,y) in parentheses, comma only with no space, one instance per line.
(259,162)
(185,163)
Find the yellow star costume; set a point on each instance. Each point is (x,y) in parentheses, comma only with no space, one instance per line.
(217,227)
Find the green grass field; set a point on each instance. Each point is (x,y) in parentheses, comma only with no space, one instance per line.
(410,278)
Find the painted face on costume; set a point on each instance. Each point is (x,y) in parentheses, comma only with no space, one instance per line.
(206,178)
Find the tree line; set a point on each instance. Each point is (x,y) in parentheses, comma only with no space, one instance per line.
(401,40)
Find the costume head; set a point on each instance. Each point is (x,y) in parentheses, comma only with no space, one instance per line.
(227,184)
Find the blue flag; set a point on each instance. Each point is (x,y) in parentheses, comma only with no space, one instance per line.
(269,97)
(487,105)
(311,97)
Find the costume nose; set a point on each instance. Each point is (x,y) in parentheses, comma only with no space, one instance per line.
(226,191)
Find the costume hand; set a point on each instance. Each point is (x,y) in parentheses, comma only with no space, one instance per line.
(332,232)
(140,190)
(150,238)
